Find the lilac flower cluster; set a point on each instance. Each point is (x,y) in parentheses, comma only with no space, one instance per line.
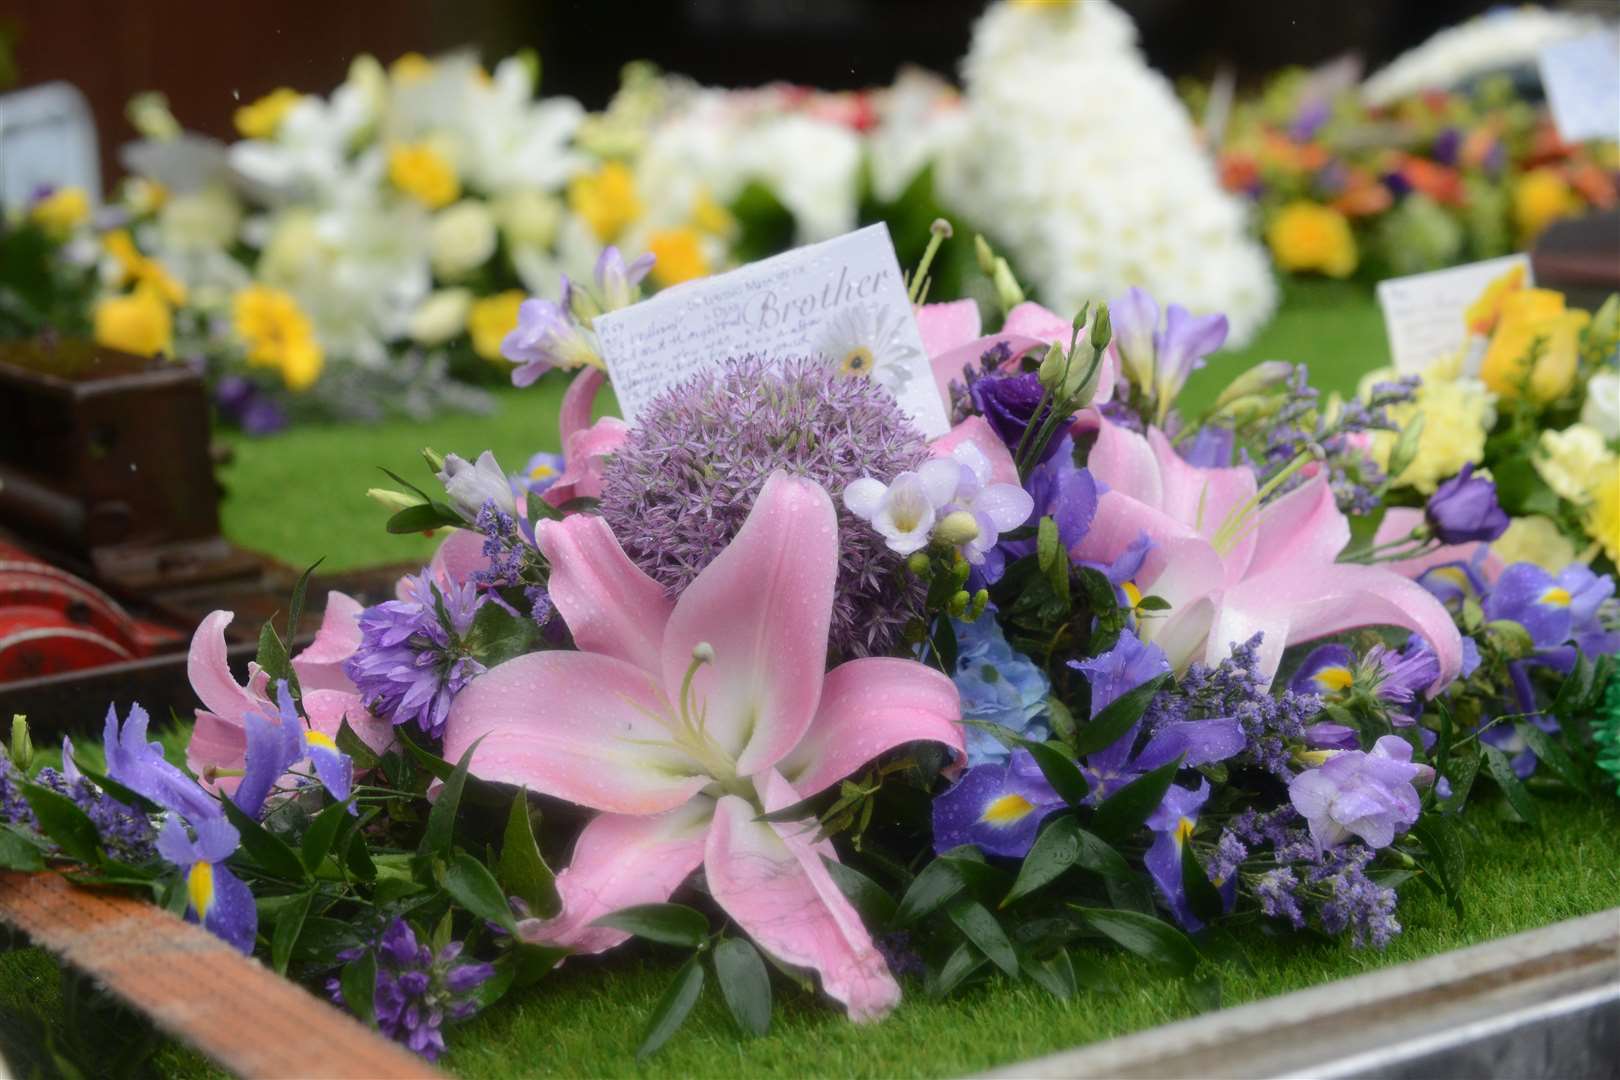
(417,990)
(512,556)
(1273,725)
(413,659)
(1342,437)
(125,832)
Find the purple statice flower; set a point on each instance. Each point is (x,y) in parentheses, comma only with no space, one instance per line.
(1356,793)
(1299,425)
(682,484)
(413,659)
(418,990)
(1331,881)
(1011,404)
(1227,859)
(126,833)
(1268,726)
(14,808)
(1278,893)
(1464,509)
(216,897)
(508,547)
(997,808)
(1357,903)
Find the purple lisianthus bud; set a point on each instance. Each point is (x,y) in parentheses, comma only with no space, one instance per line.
(1325,736)
(1464,509)
(1010,404)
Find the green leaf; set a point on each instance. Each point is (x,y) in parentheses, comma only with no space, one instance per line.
(1063,725)
(267,849)
(19,852)
(1123,812)
(295,610)
(430,763)
(365,759)
(423,517)
(1202,896)
(322,939)
(1110,725)
(672,1009)
(669,924)
(359,984)
(441,826)
(1056,849)
(1055,974)
(522,870)
(1517,796)
(321,833)
(961,964)
(871,900)
(938,882)
(68,826)
(357,856)
(1059,769)
(471,885)
(273,657)
(497,635)
(1443,857)
(1552,755)
(1100,857)
(745,984)
(981,928)
(1144,935)
(289,924)
(1049,551)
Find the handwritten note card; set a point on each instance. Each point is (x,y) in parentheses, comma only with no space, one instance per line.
(1424,313)
(842,299)
(1582,79)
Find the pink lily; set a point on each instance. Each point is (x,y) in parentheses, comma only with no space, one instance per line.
(219,739)
(1231,568)
(682,720)
(585,445)
(951,335)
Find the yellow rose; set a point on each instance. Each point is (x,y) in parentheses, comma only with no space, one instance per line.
(1482,315)
(423,173)
(138,322)
(491,319)
(678,254)
(61,212)
(1602,518)
(262,119)
(1306,236)
(606,199)
(1530,316)
(277,334)
(1573,461)
(1535,539)
(1540,197)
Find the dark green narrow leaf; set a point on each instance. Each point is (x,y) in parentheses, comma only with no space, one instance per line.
(669,924)
(672,1009)
(745,983)
(872,900)
(1108,726)
(1123,812)
(1055,974)
(1099,856)
(423,517)
(359,984)
(1502,772)
(289,924)
(267,849)
(365,759)
(523,872)
(1552,755)
(1056,849)
(273,657)
(1144,935)
(938,882)
(430,763)
(321,833)
(441,826)
(961,964)
(1059,769)
(61,819)
(295,610)
(471,885)
(981,928)
(18,852)
(358,858)
(1202,896)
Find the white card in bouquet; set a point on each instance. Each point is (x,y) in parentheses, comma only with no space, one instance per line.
(1424,313)
(1582,79)
(843,299)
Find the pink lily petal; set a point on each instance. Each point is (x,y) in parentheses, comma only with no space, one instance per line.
(1303,526)
(1031,320)
(320,665)
(870,706)
(583,458)
(1123,460)
(621,860)
(1180,564)
(209,671)
(976,432)
(770,879)
(327,710)
(216,743)
(576,726)
(1398,523)
(764,606)
(578,402)
(1203,498)
(945,326)
(459,556)
(610,606)
(1307,600)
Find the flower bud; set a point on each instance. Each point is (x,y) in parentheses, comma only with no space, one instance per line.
(958,605)
(703,653)
(986,257)
(918,563)
(393,501)
(1257,380)
(981,600)
(1008,291)
(941,228)
(1081,316)
(957,528)
(22,745)
(1102,329)
(434,459)
(1053,366)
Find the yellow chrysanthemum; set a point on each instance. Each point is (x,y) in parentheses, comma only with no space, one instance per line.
(1535,539)
(262,119)
(605,199)
(1529,316)
(61,212)
(138,322)
(136,269)
(1541,197)
(278,335)
(1574,461)
(410,67)
(679,255)
(491,319)
(423,173)
(1602,518)
(1307,236)
(1457,414)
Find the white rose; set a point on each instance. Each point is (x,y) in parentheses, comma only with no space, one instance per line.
(462,238)
(1602,408)
(529,218)
(440,317)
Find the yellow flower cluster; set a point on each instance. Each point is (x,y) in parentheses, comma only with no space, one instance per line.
(1457,414)
(1535,539)
(1540,197)
(489,321)
(61,212)
(140,321)
(425,174)
(1580,467)
(262,119)
(606,200)
(278,335)
(1308,237)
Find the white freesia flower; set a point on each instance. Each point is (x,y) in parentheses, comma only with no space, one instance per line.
(1602,409)
(904,512)
(991,508)
(1087,170)
(463,238)
(441,316)
(950,499)
(1503,37)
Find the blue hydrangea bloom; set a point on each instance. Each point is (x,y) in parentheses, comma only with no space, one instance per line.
(999,686)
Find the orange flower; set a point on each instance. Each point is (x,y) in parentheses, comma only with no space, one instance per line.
(1442,184)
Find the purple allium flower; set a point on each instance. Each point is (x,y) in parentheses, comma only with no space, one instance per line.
(413,658)
(1369,795)
(679,489)
(417,991)
(1464,509)
(1011,404)
(997,808)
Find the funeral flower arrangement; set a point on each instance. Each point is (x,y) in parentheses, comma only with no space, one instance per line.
(1345,180)
(779,682)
